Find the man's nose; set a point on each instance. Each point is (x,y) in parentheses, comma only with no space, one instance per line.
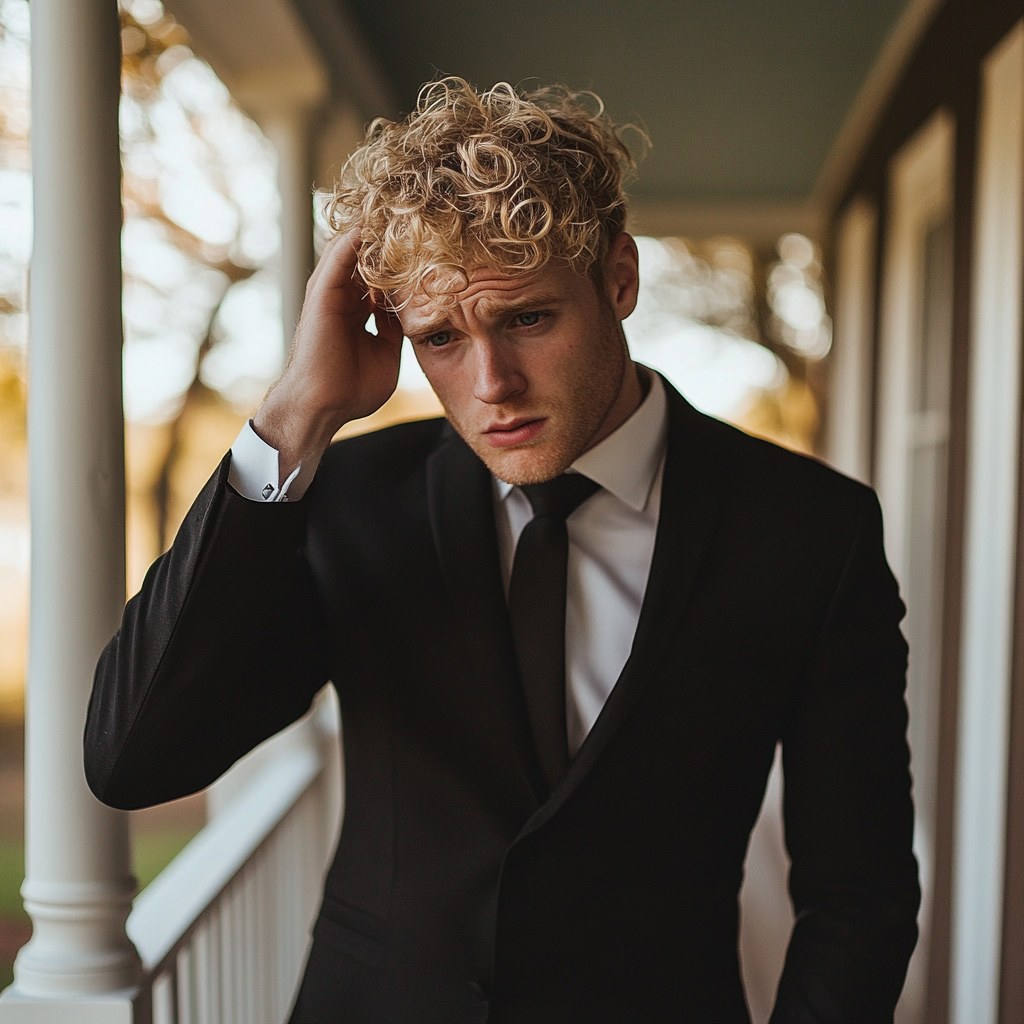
(498,377)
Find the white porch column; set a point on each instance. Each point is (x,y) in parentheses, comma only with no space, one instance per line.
(289,130)
(79,882)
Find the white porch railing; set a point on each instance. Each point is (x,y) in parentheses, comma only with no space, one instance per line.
(224,930)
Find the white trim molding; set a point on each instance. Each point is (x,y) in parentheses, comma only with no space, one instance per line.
(991,539)
(849,405)
(913,426)
(921,191)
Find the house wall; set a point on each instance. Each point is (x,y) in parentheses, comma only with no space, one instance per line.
(945,72)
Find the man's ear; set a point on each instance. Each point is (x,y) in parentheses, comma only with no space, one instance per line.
(622,274)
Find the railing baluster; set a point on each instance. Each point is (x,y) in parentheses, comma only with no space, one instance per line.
(287,876)
(225,972)
(163,998)
(185,986)
(224,931)
(250,945)
(316,854)
(216,1009)
(258,960)
(286,873)
(268,895)
(279,902)
(237,966)
(293,860)
(201,953)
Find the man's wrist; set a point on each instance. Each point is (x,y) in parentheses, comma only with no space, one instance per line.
(299,431)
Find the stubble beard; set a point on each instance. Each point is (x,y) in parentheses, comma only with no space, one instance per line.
(577,418)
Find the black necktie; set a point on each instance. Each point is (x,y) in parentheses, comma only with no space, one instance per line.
(536,606)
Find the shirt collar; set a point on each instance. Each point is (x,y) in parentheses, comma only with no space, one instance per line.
(626,462)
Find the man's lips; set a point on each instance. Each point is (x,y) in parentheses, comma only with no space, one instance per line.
(505,435)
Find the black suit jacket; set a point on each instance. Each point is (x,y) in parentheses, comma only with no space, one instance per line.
(770,614)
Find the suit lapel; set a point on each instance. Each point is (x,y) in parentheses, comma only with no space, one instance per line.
(692,492)
(461,506)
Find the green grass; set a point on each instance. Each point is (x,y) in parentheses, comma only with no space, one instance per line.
(155,850)
(12,871)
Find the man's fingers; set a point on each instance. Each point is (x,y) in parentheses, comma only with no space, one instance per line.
(322,262)
(338,261)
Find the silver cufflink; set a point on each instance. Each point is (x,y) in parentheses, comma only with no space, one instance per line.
(268,491)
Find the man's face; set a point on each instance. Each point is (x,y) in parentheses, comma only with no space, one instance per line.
(530,370)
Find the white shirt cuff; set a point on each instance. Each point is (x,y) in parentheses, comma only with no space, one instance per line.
(255,470)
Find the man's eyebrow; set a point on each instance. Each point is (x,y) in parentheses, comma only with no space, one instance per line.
(499,308)
(439,323)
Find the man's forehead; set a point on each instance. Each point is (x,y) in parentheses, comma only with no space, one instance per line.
(486,287)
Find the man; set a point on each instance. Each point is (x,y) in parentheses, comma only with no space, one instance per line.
(568,625)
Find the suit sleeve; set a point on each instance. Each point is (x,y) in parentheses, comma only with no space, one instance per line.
(223,646)
(848,812)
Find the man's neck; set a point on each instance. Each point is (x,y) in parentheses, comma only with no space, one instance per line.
(636,384)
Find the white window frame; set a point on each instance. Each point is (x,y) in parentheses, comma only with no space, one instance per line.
(990,539)
(920,196)
(920,190)
(849,410)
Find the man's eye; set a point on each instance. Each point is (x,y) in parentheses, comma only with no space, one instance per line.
(528,319)
(439,339)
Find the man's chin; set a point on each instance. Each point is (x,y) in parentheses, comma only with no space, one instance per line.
(526,465)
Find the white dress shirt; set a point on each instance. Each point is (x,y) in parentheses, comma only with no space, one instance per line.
(611,543)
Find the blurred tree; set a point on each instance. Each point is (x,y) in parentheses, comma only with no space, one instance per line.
(740,329)
(15,182)
(194,230)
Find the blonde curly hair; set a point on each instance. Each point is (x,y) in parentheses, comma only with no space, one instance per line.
(492,178)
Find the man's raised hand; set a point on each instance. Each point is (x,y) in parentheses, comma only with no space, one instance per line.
(338,371)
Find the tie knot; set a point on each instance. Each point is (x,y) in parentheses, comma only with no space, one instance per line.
(560,497)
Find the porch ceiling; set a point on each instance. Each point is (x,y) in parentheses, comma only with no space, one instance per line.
(742,99)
